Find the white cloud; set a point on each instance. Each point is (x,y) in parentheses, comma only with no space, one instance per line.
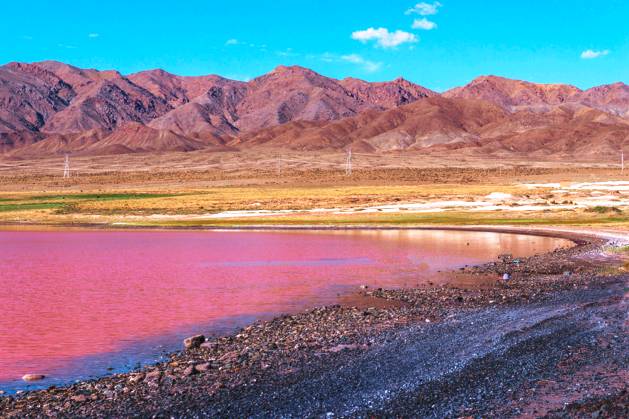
(367,65)
(384,38)
(589,54)
(424,24)
(425,9)
(66,46)
(93,35)
(232,41)
(288,52)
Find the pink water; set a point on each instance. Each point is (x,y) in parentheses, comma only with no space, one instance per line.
(73,303)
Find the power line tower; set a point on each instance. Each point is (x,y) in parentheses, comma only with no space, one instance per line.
(66,167)
(279,165)
(348,163)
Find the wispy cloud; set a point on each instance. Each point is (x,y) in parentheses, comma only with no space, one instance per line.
(589,54)
(367,65)
(357,59)
(288,52)
(66,46)
(424,9)
(27,37)
(424,24)
(383,38)
(240,43)
(93,35)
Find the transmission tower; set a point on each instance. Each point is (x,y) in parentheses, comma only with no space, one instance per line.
(66,167)
(279,165)
(348,163)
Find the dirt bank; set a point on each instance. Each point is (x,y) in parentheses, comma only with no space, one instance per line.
(552,340)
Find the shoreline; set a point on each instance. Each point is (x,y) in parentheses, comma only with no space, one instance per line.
(256,355)
(572,233)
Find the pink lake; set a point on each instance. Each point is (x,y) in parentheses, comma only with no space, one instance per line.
(77,304)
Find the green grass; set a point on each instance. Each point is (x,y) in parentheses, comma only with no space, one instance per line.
(599,209)
(65,203)
(28,207)
(100,197)
(617,249)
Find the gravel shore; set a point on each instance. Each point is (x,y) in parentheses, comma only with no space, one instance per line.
(550,341)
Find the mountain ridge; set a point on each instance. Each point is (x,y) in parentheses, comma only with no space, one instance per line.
(64,107)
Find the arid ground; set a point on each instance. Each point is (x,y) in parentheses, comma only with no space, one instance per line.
(262,188)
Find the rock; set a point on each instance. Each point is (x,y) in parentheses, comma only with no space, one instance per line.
(79,398)
(202,367)
(344,347)
(189,371)
(136,378)
(193,341)
(33,377)
(229,356)
(153,376)
(209,345)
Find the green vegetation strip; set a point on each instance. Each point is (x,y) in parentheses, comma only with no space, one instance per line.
(27,207)
(100,197)
(64,203)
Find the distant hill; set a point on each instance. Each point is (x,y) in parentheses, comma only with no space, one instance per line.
(50,108)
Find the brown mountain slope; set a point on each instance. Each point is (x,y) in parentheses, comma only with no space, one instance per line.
(515,94)
(59,144)
(469,126)
(422,124)
(106,104)
(52,108)
(294,93)
(387,95)
(511,94)
(29,96)
(178,90)
(134,137)
(209,116)
(612,98)
(286,94)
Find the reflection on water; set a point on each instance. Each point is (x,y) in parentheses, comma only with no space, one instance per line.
(120,297)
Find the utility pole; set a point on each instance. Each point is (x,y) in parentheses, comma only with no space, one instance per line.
(279,165)
(66,167)
(348,164)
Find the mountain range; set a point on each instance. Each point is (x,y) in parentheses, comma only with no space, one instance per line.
(50,108)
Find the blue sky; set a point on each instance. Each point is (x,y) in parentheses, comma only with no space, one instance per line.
(437,44)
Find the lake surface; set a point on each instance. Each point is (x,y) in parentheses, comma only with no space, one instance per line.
(78,304)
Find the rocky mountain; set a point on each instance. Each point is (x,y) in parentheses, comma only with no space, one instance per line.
(178,90)
(387,95)
(53,108)
(52,98)
(513,94)
(29,96)
(437,125)
(612,98)
(516,94)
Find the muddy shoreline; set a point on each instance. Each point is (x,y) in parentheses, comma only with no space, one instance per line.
(253,372)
